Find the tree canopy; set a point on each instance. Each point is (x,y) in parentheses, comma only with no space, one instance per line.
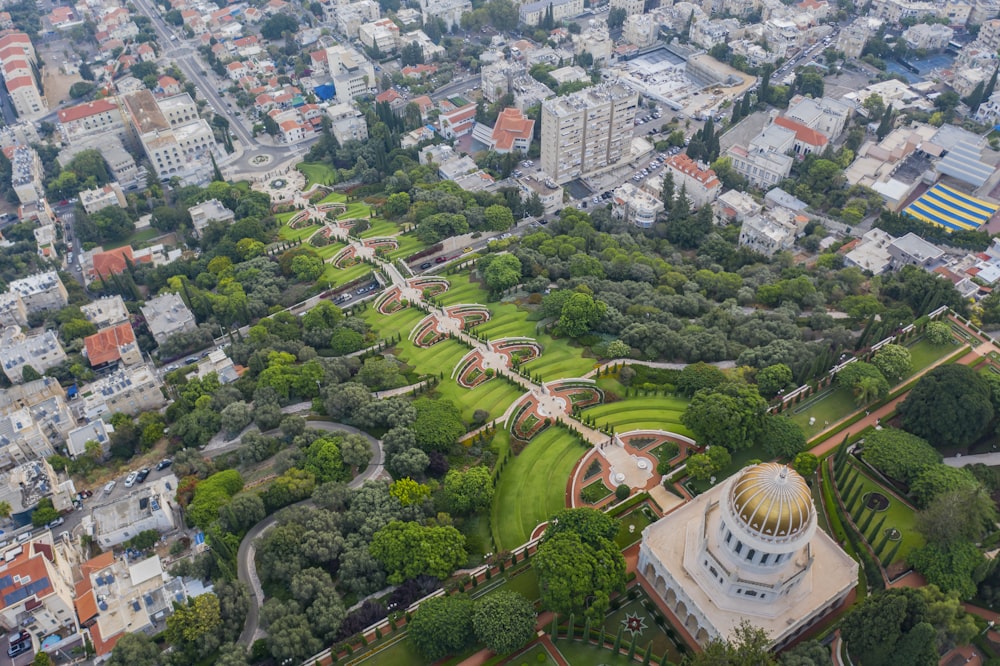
(898,454)
(504,621)
(442,626)
(949,406)
(410,549)
(730,415)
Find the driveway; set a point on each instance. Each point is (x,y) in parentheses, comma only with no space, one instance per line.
(245,567)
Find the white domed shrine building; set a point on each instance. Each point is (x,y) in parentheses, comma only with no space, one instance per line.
(748,549)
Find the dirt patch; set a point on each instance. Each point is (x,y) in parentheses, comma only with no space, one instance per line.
(55,81)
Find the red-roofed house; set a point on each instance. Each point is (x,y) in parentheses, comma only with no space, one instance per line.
(237,70)
(100,116)
(392,97)
(424,103)
(168,85)
(807,140)
(512,132)
(111,345)
(817,8)
(60,16)
(114,262)
(317,62)
(292,131)
(145,52)
(34,584)
(413,71)
(459,122)
(702,185)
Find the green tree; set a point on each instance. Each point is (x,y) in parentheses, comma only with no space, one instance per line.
(949,407)
(962,515)
(952,568)
(193,620)
(408,550)
(894,362)
(697,376)
(469,491)
(275,26)
(438,424)
(580,312)
(731,415)
(135,649)
(936,480)
(504,621)
(324,460)
(409,492)
(746,646)
(442,626)
(899,455)
(805,463)
(773,378)
(616,18)
(502,272)
(41,659)
(498,218)
(865,381)
(938,333)
(44,513)
(782,437)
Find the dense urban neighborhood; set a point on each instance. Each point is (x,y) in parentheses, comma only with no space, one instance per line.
(381,332)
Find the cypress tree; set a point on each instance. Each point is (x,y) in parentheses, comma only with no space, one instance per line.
(875,530)
(631,647)
(649,653)
(863,527)
(991,86)
(892,553)
(618,640)
(881,544)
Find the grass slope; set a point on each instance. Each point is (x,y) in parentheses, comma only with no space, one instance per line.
(533,486)
(641,413)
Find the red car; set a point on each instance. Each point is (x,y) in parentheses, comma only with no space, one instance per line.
(440,260)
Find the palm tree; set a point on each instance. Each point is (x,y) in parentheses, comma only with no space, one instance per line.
(5,509)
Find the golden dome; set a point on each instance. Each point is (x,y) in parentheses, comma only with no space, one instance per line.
(773,500)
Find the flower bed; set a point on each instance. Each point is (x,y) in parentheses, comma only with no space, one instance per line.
(470,372)
(431,286)
(346,257)
(381,244)
(517,351)
(297,218)
(579,394)
(390,302)
(527,423)
(469,315)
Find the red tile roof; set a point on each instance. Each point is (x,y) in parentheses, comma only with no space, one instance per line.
(803,134)
(511,126)
(103,346)
(20,82)
(102,645)
(112,261)
(27,569)
(390,96)
(681,162)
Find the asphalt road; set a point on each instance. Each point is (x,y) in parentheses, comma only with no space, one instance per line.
(245,567)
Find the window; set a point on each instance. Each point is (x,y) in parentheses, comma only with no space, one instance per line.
(729,537)
(750,554)
(739,547)
(764,558)
(750,593)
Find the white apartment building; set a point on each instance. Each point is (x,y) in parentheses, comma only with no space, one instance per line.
(768,234)
(220,364)
(498,79)
(40,292)
(989,34)
(765,162)
(22,438)
(100,117)
(146,507)
(449,11)
(709,33)
(102,197)
(352,73)
(167,315)
(700,184)
(382,35)
(18,63)
(550,194)
(96,431)
(129,390)
(347,123)
(178,109)
(105,312)
(533,13)
(631,7)
(12,310)
(45,401)
(636,206)
(26,173)
(209,211)
(826,115)
(933,37)
(588,131)
(182,150)
(641,29)
(18,351)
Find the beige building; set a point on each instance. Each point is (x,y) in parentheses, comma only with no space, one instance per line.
(347,123)
(18,351)
(98,118)
(209,211)
(449,11)
(45,401)
(641,30)
(26,173)
(102,197)
(550,194)
(146,507)
(747,550)
(765,162)
(353,75)
(382,35)
(167,315)
(588,131)
(40,292)
(771,232)
(636,206)
(631,7)
(933,37)
(129,390)
(12,310)
(700,184)
(532,13)
(989,34)
(107,311)
(182,149)
(18,64)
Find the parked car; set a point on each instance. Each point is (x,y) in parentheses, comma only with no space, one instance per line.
(141,476)
(440,260)
(163,464)
(109,486)
(424,266)
(130,479)
(56,523)
(467,250)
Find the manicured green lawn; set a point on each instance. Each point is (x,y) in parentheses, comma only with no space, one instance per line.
(334,277)
(463,291)
(494,395)
(333,197)
(355,209)
(476,529)
(401,653)
(442,357)
(827,407)
(657,412)
(408,244)
(923,353)
(636,519)
(559,359)
(898,515)
(531,658)
(533,486)
(388,326)
(287,233)
(508,321)
(330,249)
(379,228)
(317,173)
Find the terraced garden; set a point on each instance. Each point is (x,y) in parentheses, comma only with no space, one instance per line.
(317,173)
(334,277)
(463,290)
(657,412)
(495,396)
(329,250)
(377,226)
(532,486)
